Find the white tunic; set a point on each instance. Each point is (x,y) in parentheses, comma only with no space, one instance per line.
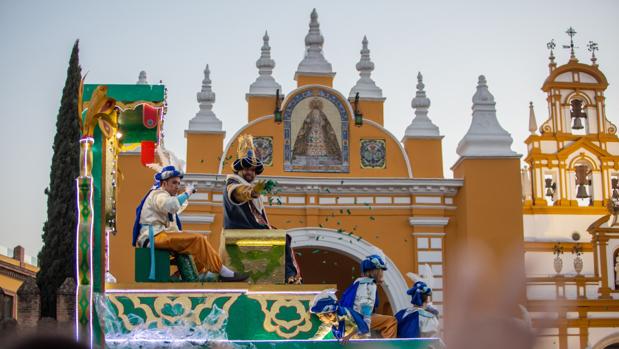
(366,293)
(157,206)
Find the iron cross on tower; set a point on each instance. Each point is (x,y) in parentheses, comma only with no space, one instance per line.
(571,32)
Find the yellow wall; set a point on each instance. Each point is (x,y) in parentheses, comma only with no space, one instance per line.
(425,156)
(323,80)
(258,106)
(204,151)
(371,110)
(395,162)
(134,181)
(489,211)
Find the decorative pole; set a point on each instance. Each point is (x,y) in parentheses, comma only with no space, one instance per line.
(101,111)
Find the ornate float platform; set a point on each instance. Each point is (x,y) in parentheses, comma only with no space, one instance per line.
(152,315)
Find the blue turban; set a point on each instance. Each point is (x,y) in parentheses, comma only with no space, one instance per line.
(373,262)
(168,172)
(324,303)
(417,291)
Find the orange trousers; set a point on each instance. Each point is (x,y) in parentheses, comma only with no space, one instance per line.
(387,325)
(204,255)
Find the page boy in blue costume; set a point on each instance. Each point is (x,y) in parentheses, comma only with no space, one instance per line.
(419,320)
(362,296)
(344,323)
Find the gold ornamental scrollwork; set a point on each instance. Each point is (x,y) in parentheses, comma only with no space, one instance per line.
(155,313)
(273,324)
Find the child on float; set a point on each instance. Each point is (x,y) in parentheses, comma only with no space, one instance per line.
(362,296)
(419,320)
(342,322)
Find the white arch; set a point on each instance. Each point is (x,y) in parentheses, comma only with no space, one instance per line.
(612,338)
(349,109)
(388,133)
(235,136)
(394,285)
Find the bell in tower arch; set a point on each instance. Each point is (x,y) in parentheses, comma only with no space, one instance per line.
(577,114)
(577,124)
(582,171)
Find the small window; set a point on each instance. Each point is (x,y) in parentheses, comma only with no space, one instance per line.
(6,306)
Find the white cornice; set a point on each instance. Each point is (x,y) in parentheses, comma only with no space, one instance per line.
(428,221)
(335,186)
(197,218)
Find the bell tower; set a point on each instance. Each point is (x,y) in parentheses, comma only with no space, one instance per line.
(573,162)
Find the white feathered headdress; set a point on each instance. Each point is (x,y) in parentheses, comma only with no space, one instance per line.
(425,275)
(169,165)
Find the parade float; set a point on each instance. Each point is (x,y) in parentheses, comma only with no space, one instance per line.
(169,312)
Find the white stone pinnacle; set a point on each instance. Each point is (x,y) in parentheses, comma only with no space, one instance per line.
(265,84)
(365,86)
(314,62)
(421,126)
(205,119)
(142,78)
(532,120)
(485,137)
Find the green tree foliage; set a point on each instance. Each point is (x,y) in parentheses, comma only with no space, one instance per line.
(57,257)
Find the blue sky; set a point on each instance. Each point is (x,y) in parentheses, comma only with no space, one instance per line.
(450,42)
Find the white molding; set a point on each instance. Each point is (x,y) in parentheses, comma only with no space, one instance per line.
(428,221)
(427,235)
(427,199)
(204,232)
(197,218)
(336,186)
(395,285)
(199,197)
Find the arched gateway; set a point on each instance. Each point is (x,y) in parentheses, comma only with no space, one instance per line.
(394,284)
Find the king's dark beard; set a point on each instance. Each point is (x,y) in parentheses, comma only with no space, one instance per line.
(248,177)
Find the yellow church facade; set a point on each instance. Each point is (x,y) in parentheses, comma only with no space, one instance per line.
(347,187)
(569,185)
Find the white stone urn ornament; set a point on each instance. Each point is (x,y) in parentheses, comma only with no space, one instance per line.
(577,251)
(558,262)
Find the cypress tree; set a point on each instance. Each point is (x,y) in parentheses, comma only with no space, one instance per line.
(57,257)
